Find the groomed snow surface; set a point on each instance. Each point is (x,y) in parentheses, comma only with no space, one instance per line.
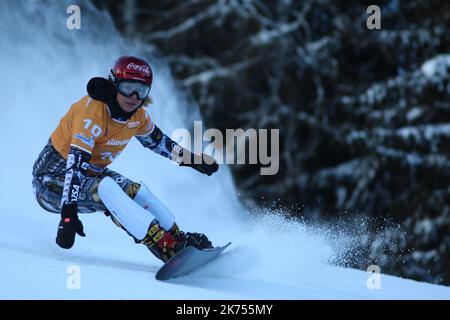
(48,67)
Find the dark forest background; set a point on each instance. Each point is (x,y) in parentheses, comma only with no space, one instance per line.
(363,114)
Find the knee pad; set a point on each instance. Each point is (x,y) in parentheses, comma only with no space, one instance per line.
(146,199)
(134,207)
(131,216)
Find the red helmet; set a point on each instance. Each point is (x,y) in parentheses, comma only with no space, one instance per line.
(131,68)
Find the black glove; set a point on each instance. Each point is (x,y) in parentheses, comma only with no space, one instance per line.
(68,226)
(202,163)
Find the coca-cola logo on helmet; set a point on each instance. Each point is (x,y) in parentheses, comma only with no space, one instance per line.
(138,67)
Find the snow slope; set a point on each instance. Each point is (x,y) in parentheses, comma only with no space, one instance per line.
(45,68)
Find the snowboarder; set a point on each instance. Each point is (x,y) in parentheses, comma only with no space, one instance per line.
(68,174)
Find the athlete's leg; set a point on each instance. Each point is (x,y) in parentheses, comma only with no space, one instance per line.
(48,183)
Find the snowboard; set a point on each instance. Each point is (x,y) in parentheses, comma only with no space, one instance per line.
(188,260)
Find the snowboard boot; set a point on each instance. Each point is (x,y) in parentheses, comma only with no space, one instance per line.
(165,244)
(198,240)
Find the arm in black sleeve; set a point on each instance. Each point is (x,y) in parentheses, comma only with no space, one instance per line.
(160,143)
(77,165)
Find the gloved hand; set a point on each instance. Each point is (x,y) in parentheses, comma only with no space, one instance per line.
(202,163)
(69,226)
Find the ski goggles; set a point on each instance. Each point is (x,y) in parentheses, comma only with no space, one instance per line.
(128,88)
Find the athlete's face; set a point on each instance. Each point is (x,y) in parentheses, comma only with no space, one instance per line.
(128,104)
